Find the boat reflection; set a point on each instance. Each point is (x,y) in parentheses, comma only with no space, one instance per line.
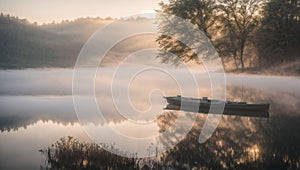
(60,109)
(238,142)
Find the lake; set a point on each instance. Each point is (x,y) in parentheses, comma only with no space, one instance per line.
(37,109)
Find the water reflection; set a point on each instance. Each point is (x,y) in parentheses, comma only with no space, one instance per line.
(19,148)
(280,102)
(70,153)
(31,109)
(238,143)
(60,108)
(46,110)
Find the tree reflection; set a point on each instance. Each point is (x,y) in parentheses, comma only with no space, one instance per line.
(280,102)
(238,143)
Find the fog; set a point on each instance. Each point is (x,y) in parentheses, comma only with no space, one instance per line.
(58,82)
(47,93)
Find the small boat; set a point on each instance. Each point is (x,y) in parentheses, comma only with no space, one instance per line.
(230,112)
(206,103)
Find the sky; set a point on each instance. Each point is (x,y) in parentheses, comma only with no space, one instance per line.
(45,11)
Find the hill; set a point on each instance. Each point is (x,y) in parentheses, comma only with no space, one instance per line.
(26,45)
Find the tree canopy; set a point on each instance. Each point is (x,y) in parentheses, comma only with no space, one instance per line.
(242,31)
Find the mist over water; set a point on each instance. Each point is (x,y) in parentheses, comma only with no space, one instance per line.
(47,93)
(36,99)
(58,82)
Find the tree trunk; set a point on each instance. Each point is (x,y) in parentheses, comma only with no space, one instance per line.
(235,60)
(223,63)
(242,54)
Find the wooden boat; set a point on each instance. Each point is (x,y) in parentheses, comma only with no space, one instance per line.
(206,103)
(231,112)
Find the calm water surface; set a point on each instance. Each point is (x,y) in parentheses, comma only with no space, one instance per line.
(36,110)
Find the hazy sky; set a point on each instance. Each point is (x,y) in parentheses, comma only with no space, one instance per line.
(49,10)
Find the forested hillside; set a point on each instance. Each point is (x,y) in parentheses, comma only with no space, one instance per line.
(26,45)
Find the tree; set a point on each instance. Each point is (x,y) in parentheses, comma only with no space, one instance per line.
(201,13)
(238,19)
(278,39)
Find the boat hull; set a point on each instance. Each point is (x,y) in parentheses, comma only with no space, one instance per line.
(206,104)
(226,111)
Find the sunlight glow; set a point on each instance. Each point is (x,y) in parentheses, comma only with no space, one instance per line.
(148,11)
(56,10)
(254,152)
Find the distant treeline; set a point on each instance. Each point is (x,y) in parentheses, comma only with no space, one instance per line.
(246,33)
(28,45)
